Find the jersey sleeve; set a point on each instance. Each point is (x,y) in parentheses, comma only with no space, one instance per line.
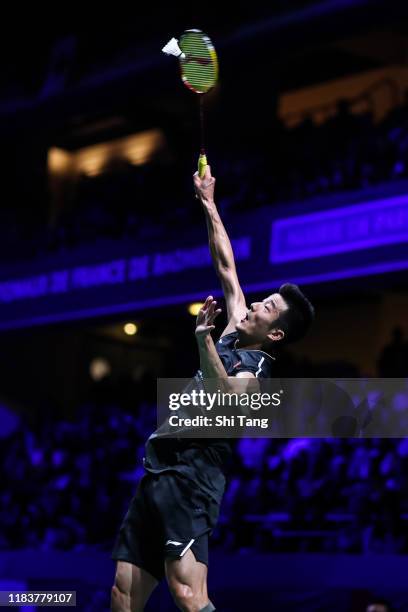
(259,364)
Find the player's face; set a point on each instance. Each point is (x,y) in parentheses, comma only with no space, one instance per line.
(258,323)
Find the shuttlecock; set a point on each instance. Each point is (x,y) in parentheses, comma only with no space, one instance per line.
(172,48)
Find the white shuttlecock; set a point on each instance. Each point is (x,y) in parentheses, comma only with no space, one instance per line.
(172,48)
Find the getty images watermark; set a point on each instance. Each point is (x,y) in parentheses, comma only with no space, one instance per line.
(234,408)
(217,400)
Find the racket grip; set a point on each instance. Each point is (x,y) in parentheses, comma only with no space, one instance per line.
(202,163)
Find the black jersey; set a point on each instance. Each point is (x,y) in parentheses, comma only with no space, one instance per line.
(201,460)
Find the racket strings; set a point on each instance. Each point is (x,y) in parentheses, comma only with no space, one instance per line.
(199,67)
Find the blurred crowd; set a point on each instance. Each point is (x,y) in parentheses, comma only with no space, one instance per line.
(317,495)
(346,152)
(66,484)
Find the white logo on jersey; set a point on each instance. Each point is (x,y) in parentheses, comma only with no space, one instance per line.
(173,542)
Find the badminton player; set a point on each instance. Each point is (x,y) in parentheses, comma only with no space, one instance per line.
(165,531)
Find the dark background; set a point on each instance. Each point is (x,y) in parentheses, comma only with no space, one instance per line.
(311,103)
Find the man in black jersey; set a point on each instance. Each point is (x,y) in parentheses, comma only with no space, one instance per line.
(165,531)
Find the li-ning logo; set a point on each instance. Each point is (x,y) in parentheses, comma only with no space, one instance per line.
(174,543)
(202,61)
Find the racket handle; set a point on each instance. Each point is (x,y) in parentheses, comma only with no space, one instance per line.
(202,163)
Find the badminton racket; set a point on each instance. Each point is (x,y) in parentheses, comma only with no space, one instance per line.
(199,72)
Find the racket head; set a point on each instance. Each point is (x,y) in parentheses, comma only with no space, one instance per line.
(199,67)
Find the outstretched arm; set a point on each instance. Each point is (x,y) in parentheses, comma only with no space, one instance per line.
(221,251)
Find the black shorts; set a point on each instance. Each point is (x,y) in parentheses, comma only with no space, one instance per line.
(166,518)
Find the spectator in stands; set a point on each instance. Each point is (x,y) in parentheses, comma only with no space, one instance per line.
(393,360)
(379,605)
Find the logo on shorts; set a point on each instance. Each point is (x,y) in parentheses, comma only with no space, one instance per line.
(174,543)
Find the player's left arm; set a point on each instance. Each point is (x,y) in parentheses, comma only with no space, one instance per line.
(210,362)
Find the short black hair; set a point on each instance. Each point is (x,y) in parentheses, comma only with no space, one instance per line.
(297,319)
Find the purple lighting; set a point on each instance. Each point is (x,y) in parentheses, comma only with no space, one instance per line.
(351,228)
(138,305)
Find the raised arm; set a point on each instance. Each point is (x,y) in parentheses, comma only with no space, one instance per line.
(221,251)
